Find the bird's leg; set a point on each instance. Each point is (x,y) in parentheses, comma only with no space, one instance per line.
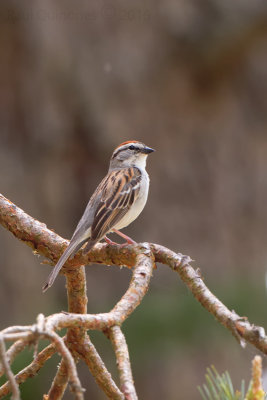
(110,241)
(127,238)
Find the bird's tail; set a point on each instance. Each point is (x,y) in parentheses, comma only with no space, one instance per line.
(70,250)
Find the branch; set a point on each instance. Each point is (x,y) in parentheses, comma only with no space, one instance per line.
(35,333)
(13,351)
(128,303)
(8,372)
(31,370)
(77,303)
(75,384)
(142,257)
(59,383)
(240,327)
(50,245)
(89,354)
(123,362)
(80,344)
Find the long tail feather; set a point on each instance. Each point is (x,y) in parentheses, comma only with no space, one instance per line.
(70,250)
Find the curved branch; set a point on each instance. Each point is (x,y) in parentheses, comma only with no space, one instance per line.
(138,287)
(239,326)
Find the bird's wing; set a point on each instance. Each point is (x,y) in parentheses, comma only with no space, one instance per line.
(118,192)
(108,205)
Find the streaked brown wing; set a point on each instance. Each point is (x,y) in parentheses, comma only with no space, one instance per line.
(119,191)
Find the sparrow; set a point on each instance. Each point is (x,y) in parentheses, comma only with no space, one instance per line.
(117,201)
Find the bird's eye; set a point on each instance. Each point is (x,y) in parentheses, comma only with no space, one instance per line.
(131,147)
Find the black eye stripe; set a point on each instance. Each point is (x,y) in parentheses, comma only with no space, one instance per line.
(132,147)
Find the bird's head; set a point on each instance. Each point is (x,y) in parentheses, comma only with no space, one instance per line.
(130,154)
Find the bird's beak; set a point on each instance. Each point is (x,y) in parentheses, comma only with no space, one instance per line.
(148,150)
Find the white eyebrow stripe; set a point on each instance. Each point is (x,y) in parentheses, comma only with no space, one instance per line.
(125,147)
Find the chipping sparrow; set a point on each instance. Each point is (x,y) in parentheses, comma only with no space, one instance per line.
(117,201)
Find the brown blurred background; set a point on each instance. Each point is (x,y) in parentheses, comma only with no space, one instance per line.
(187,77)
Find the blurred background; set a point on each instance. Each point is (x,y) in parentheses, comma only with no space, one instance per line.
(188,78)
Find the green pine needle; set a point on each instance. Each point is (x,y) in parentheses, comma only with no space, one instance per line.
(220,387)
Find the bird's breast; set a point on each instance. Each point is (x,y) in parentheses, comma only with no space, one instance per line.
(138,205)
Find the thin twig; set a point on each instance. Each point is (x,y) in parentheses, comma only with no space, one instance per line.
(31,370)
(13,351)
(8,372)
(16,329)
(27,335)
(75,383)
(61,348)
(240,327)
(123,362)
